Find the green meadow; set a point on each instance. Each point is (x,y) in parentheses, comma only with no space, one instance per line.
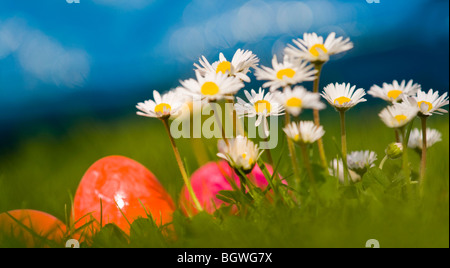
(42,172)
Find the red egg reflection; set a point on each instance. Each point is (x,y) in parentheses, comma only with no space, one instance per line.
(211,178)
(36,228)
(124,186)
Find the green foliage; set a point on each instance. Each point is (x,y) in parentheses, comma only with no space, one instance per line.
(382,206)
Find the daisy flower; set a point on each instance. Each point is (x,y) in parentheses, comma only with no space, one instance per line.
(241,153)
(259,105)
(398,115)
(165,106)
(342,96)
(312,48)
(212,86)
(415,138)
(239,66)
(431,103)
(361,161)
(395,91)
(304,132)
(296,99)
(287,73)
(337,169)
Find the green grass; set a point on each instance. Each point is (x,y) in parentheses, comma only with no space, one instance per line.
(45,169)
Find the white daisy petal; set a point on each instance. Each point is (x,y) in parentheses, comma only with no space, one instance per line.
(287,73)
(312,48)
(337,169)
(342,97)
(241,153)
(415,139)
(166,106)
(259,104)
(394,92)
(431,103)
(239,66)
(398,115)
(305,132)
(296,99)
(212,86)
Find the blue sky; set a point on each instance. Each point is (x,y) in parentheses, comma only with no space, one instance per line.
(61,57)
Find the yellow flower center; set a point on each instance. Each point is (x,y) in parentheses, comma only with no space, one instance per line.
(262,105)
(297,137)
(210,88)
(285,72)
(162,108)
(314,49)
(393,94)
(430,106)
(400,118)
(342,100)
(223,67)
(294,102)
(250,160)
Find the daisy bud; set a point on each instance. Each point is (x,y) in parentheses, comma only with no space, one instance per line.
(394,150)
(241,153)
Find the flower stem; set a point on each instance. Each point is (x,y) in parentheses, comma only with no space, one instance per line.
(405,164)
(293,154)
(383,161)
(269,154)
(323,157)
(237,122)
(423,163)
(181,167)
(397,136)
(219,122)
(344,147)
(309,170)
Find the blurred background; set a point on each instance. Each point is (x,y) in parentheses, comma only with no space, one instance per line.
(65,64)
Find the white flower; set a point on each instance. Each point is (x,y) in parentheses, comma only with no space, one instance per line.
(337,169)
(305,132)
(212,86)
(287,73)
(312,48)
(431,103)
(296,99)
(415,138)
(239,66)
(395,91)
(259,105)
(342,97)
(360,161)
(398,115)
(241,153)
(165,106)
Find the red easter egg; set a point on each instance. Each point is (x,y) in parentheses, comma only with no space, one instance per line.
(124,186)
(38,224)
(211,178)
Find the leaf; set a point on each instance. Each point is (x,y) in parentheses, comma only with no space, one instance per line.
(234,196)
(110,236)
(375,177)
(145,233)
